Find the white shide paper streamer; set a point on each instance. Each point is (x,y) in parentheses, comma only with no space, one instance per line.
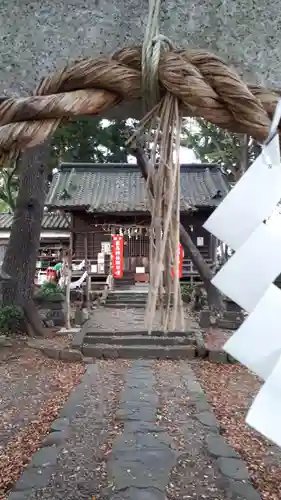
(247,278)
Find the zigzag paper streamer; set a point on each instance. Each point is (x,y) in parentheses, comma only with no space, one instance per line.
(247,278)
(257,343)
(264,414)
(251,200)
(247,275)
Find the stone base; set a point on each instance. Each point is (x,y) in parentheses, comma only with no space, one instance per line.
(231,320)
(52,312)
(80,317)
(56,352)
(138,351)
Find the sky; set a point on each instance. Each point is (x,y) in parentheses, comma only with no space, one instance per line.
(186,156)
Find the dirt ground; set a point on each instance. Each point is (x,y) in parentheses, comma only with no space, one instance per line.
(33,389)
(230,389)
(215,338)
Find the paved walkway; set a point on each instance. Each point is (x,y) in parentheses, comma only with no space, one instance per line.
(115,320)
(138,430)
(143,455)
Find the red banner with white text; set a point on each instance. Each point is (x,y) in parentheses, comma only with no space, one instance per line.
(180,261)
(117,248)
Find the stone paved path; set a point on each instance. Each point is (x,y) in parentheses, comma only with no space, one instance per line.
(104,319)
(143,455)
(165,441)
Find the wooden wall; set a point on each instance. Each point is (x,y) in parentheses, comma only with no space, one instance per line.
(88,236)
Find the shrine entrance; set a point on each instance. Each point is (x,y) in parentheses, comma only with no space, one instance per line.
(92,228)
(130,261)
(136,253)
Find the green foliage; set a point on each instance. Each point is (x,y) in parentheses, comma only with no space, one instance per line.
(4,207)
(11,319)
(49,292)
(50,287)
(186,290)
(91,139)
(212,144)
(9,183)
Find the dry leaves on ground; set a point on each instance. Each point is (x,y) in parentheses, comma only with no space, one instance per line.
(215,338)
(230,389)
(193,476)
(33,389)
(61,341)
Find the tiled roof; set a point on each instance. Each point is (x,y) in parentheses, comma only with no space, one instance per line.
(120,188)
(51,221)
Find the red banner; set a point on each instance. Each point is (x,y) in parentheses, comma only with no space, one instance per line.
(180,261)
(117,256)
(181,254)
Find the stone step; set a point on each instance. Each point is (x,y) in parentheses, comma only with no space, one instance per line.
(126,287)
(123,300)
(155,333)
(230,321)
(225,324)
(130,299)
(233,315)
(124,305)
(133,340)
(135,352)
(127,296)
(125,283)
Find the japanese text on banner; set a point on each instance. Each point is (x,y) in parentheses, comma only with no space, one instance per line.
(117,256)
(180,261)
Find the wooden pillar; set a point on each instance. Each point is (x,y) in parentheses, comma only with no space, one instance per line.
(68,281)
(88,268)
(68,273)
(213,244)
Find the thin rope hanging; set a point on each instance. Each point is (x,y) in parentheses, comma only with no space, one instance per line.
(164,127)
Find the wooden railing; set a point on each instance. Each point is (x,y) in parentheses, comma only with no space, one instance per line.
(190,273)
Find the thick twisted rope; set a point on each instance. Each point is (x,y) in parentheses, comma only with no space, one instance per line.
(152,45)
(163,130)
(151,52)
(205,85)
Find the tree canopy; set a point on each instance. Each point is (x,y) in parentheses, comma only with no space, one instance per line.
(92,139)
(89,139)
(211,144)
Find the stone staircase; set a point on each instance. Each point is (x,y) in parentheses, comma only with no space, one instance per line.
(126,298)
(134,345)
(126,282)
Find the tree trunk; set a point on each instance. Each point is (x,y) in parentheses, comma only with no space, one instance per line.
(22,250)
(215,300)
(244,158)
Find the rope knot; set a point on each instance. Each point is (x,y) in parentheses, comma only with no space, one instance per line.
(152,47)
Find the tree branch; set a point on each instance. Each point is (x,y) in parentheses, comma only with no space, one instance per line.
(8,184)
(214,297)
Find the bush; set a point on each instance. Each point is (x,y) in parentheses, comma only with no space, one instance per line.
(49,292)
(11,319)
(186,291)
